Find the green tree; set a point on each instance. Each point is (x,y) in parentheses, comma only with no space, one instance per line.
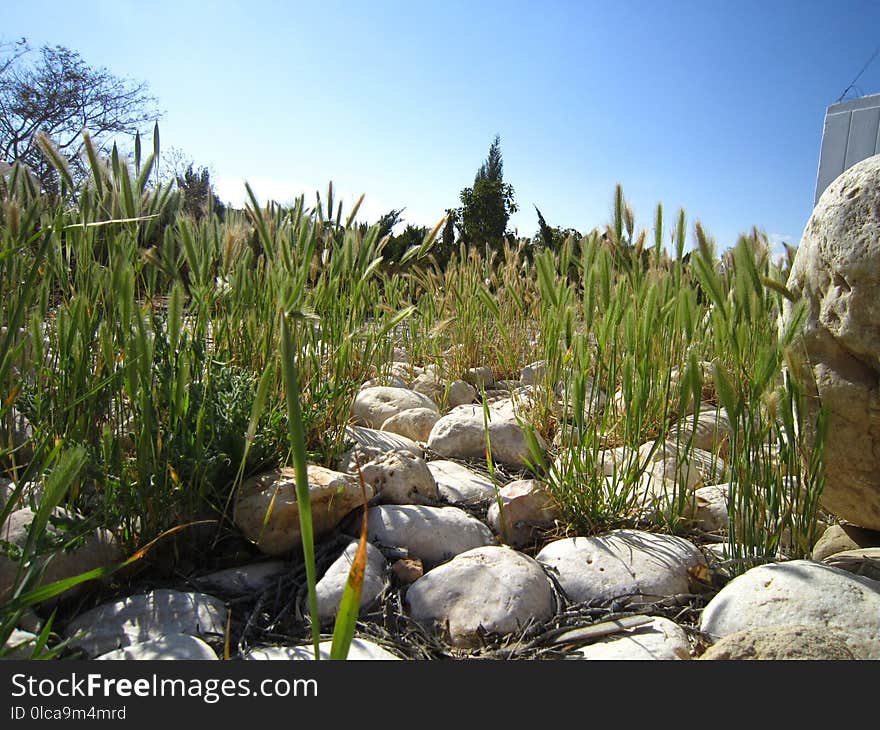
(552,237)
(488,205)
(546,237)
(445,247)
(198,193)
(397,246)
(388,221)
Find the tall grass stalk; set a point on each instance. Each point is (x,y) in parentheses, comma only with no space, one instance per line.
(298,453)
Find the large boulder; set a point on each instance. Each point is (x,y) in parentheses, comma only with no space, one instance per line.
(146,617)
(799,593)
(656,639)
(267,511)
(368,444)
(495,590)
(837,273)
(399,477)
(522,509)
(413,423)
(431,534)
(459,485)
(331,587)
(373,406)
(462,435)
(624,565)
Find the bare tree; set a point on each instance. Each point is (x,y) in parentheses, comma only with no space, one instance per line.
(60,95)
(11,53)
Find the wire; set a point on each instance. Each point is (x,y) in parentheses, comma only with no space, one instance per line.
(864,68)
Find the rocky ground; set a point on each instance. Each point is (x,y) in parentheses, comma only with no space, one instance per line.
(456,570)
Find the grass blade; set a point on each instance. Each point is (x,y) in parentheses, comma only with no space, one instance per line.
(298,452)
(346,616)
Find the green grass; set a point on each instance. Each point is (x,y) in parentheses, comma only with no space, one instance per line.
(146,348)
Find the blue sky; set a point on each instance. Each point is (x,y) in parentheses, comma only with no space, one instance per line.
(716,107)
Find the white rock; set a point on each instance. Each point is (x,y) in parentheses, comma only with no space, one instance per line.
(533,373)
(244,579)
(711,432)
(373,406)
(491,589)
(413,423)
(16,430)
(504,387)
(660,639)
(332,583)
(862,561)
(459,485)
(399,477)
(803,593)
(686,475)
(460,393)
(332,495)
(526,506)
(99,548)
(839,537)
(171,647)
(19,645)
(594,399)
(709,468)
(370,438)
(670,481)
(360,650)
(619,460)
(465,438)
(430,386)
(480,377)
(400,355)
(708,510)
(625,564)
(405,371)
(144,617)
(391,381)
(432,534)
(837,273)
(499,409)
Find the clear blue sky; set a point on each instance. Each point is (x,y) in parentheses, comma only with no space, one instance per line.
(713,106)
